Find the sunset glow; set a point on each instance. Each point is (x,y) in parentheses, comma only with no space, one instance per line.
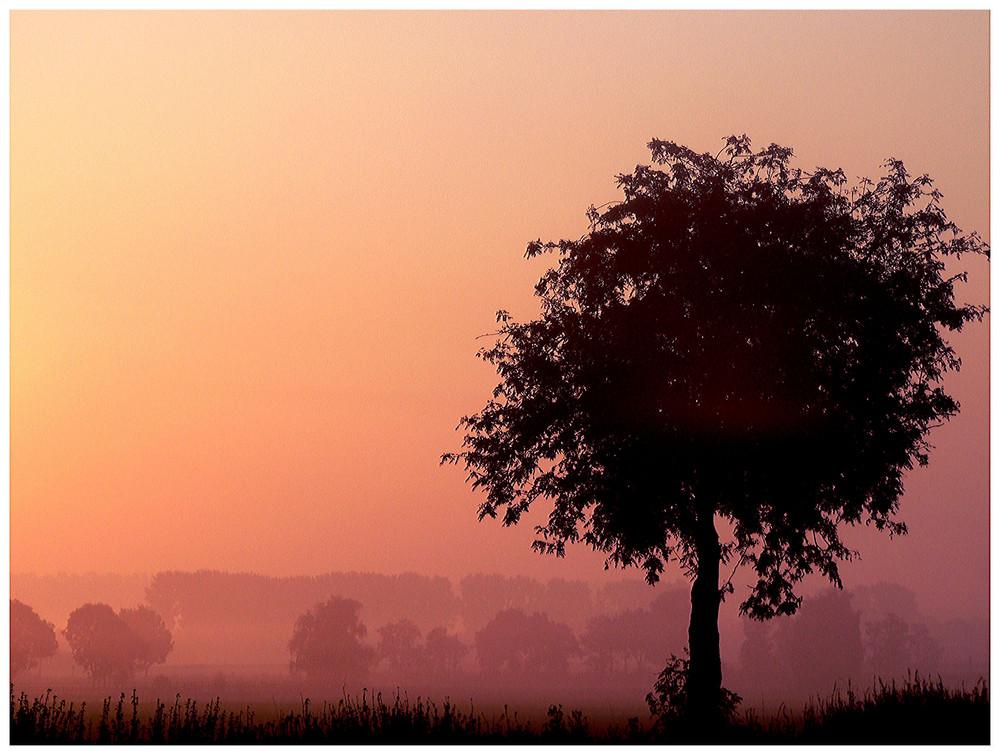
(253,256)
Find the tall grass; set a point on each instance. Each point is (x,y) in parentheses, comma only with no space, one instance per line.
(352,720)
(916,711)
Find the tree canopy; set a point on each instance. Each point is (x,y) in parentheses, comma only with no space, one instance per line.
(399,646)
(735,339)
(518,645)
(114,645)
(327,644)
(735,334)
(31,638)
(153,641)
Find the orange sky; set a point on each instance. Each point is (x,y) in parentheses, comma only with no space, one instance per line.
(251,254)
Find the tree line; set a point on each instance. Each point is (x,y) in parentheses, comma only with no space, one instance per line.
(835,637)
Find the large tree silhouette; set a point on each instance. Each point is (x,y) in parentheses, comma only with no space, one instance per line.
(735,340)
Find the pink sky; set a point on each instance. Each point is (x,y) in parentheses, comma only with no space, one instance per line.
(251,254)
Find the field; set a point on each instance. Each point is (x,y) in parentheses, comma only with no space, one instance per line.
(917,711)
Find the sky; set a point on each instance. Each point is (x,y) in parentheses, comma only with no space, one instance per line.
(253,256)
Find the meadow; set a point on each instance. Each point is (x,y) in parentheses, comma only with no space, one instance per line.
(914,711)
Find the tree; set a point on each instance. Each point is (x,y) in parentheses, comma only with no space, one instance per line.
(326,642)
(484,594)
(519,646)
(153,641)
(444,651)
(110,645)
(600,641)
(759,661)
(101,642)
(399,647)
(883,598)
(822,644)
(898,647)
(735,340)
(31,638)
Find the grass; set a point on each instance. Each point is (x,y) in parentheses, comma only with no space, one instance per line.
(916,711)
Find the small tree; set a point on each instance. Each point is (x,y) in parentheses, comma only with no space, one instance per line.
(600,640)
(399,646)
(518,646)
(822,644)
(326,643)
(153,640)
(110,645)
(443,651)
(31,638)
(759,660)
(101,642)
(736,340)
(898,647)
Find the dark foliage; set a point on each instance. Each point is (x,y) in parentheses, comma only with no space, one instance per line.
(668,702)
(737,334)
(736,338)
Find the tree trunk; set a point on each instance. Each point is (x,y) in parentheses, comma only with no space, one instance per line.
(705,672)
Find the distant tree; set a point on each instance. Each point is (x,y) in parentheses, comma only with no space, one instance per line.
(31,638)
(600,642)
(877,601)
(552,646)
(101,642)
(519,646)
(736,339)
(897,647)
(399,647)
(165,594)
(326,643)
(758,657)
(444,652)
(622,594)
(822,643)
(110,645)
(636,638)
(670,612)
(485,594)
(153,641)
(569,601)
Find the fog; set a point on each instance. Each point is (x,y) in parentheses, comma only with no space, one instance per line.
(489,640)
